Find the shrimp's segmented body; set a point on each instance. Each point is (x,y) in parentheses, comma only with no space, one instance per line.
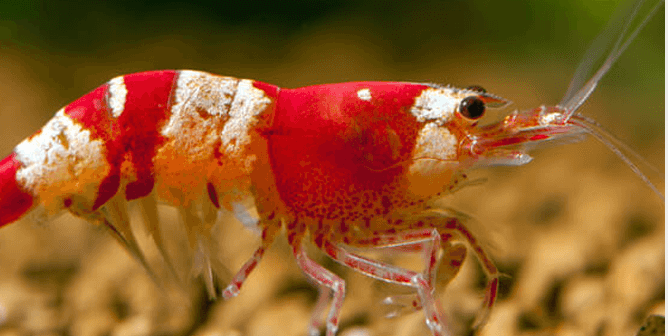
(343,166)
(162,130)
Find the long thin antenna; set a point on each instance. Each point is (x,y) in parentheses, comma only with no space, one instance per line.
(601,44)
(571,104)
(603,137)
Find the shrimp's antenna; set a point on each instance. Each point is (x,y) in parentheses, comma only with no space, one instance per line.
(572,102)
(600,45)
(607,139)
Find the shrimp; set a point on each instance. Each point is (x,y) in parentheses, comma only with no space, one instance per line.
(348,166)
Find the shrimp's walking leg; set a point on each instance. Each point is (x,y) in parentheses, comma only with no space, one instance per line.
(444,224)
(448,266)
(418,227)
(379,270)
(447,225)
(428,241)
(318,309)
(327,282)
(268,234)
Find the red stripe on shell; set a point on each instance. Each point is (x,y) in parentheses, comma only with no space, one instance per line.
(14,201)
(93,113)
(132,136)
(147,108)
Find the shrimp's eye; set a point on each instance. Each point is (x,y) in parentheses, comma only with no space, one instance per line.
(476,88)
(472,107)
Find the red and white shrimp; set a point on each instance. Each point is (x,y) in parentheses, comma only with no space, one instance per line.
(343,166)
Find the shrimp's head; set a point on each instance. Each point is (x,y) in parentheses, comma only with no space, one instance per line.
(508,141)
(453,133)
(453,139)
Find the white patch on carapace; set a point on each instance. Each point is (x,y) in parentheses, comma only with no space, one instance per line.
(435,142)
(437,104)
(62,161)
(434,160)
(364,94)
(117,94)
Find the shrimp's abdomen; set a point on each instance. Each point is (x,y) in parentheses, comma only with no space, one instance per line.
(178,134)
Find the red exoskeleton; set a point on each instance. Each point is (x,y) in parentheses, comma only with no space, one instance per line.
(343,166)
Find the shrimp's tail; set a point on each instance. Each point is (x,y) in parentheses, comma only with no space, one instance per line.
(14,200)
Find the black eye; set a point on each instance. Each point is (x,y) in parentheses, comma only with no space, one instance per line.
(472,107)
(476,88)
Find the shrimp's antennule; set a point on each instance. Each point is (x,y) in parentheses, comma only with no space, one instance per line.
(574,99)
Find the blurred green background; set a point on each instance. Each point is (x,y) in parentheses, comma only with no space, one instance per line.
(578,201)
(525,51)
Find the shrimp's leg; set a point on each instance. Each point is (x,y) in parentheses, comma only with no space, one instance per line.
(195,230)
(427,240)
(450,262)
(421,227)
(431,251)
(390,273)
(318,309)
(327,282)
(268,234)
(447,224)
(437,272)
